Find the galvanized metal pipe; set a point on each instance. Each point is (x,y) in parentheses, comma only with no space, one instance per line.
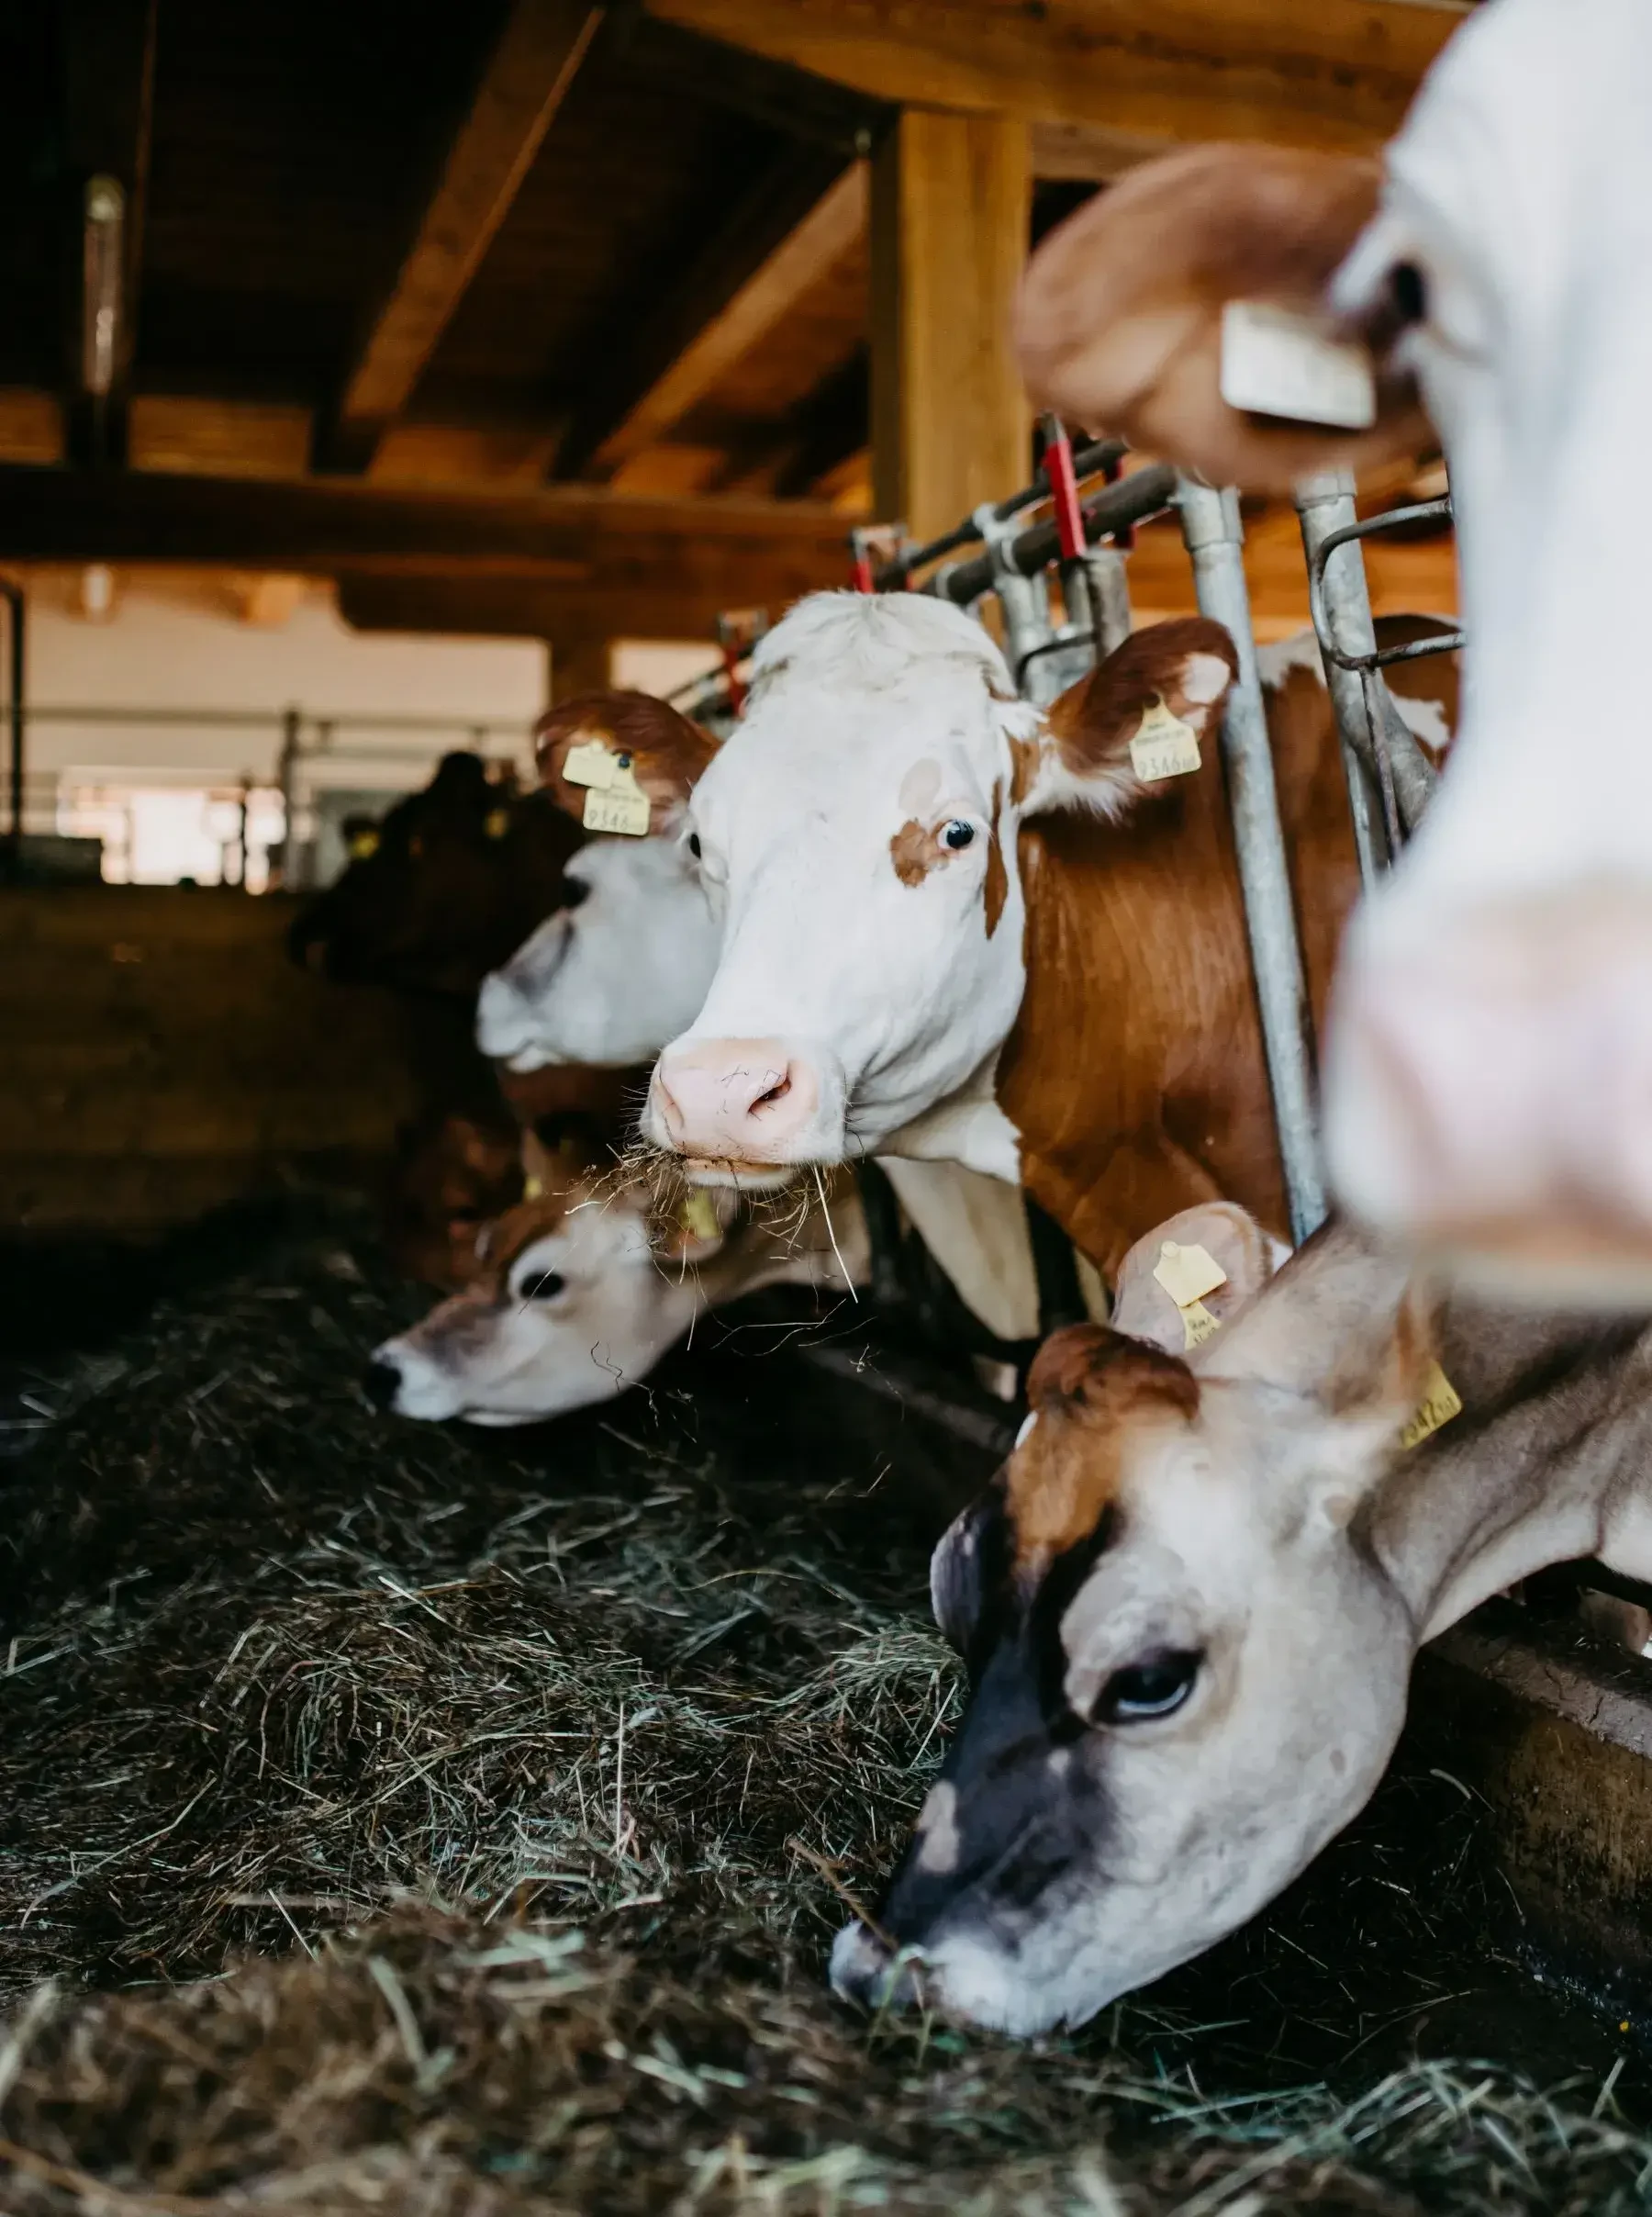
(1324,504)
(1210,527)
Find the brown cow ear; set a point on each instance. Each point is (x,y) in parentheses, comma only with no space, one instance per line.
(1147,1308)
(664,752)
(1142,719)
(1118,326)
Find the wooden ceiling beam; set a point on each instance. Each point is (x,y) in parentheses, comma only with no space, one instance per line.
(526,79)
(667,353)
(1336,75)
(725,553)
(511,608)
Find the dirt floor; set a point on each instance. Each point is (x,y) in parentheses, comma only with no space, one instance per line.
(409,1820)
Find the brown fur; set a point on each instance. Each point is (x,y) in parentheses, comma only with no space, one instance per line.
(1087,1385)
(915,851)
(668,753)
(1119,322)
(1094,722)
(1134,1071)
(995,886)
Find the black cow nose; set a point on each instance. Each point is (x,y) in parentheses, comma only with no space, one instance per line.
(381,1382)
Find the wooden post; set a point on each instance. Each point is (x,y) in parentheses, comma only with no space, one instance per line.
(951,202)
(580,665)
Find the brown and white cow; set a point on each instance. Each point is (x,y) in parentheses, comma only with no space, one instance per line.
(958,929)
(582,1287)
(1489,1082)
(1190,1602)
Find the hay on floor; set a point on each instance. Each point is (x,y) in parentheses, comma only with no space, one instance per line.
(417,1820)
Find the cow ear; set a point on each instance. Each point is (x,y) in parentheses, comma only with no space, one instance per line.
(958,1568)
(1145,1308)
(1151,705)
(663,752)
(1119,325)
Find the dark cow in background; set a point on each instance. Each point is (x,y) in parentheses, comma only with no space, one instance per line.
(458,876)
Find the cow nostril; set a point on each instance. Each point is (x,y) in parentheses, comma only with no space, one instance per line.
(775,1092)
(381,1382)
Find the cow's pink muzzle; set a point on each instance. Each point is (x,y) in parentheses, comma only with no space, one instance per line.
(740,1103)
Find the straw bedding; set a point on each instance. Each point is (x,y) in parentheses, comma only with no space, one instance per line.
(423,1822)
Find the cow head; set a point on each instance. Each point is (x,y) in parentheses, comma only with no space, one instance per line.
(578,1291)
(459,874)
(857,839)
(1187,1670)
(1489,1067)
(624,963)
(452,1174)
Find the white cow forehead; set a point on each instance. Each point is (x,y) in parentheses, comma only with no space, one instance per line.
(871,643)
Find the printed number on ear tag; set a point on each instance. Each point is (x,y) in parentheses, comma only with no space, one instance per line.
(1276,363)
(623,808)
(1164,746)
(1187,1275)
(698,1216)
(1440,1402)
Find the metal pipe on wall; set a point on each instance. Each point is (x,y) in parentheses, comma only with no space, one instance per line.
(1210,527)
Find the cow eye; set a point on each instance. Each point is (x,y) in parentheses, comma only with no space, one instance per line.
(958,834)
(694,845)
(1154,1688)
(544,1286)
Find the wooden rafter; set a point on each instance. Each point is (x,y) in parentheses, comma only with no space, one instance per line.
(1330,74)
(525,82)
(583,541)
(772,248)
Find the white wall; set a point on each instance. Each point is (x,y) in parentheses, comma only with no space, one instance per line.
(160,652)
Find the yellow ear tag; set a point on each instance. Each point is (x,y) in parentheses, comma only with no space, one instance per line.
(1164,746)
(1440,1402)
(533,1188)
(698,1216)
(1187,1274)
(496,822)
(362,844)
(622,806)
(589,763)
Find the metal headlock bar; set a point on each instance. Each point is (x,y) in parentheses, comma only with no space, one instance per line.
(1378,750)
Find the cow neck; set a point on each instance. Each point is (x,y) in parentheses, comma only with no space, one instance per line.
(1134,1071)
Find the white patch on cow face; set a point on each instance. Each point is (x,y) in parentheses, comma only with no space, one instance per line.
(588,1311)
(1087,1861)
(855,943)
(609,980)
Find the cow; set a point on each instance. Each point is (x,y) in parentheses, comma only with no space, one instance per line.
(452,1174)
(1490,1062)
(585,1285)
(1191,1601)
(958,928)
(456,877)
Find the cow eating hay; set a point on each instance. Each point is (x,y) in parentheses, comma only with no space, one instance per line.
(529,1774)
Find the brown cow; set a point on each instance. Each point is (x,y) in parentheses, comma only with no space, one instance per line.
(955,929)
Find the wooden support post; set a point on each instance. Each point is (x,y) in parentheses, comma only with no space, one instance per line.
(951,202)
(580,665)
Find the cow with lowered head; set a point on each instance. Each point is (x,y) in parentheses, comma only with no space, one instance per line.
(1190,1604)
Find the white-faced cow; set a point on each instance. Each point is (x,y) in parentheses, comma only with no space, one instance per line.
(580,1289)
(1490,1069)
(955,927)
(1190,1602)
